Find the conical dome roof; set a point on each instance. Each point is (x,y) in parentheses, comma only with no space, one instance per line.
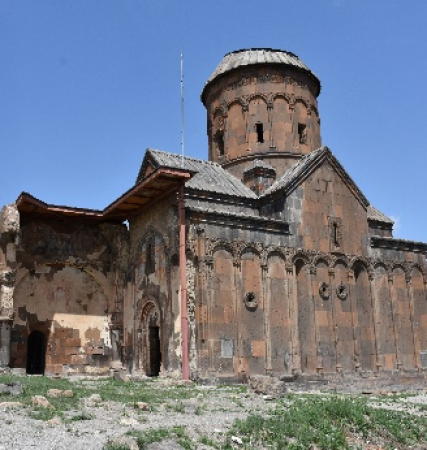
(256,56)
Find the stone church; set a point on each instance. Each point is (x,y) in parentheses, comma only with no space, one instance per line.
(265,259)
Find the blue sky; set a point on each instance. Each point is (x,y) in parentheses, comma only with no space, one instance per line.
(87,85)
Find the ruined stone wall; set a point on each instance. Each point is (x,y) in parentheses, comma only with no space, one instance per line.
(9,228)
(153,291)
(67,292)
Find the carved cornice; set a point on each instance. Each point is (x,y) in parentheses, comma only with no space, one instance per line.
(241,221)
(398,244)
(310,259)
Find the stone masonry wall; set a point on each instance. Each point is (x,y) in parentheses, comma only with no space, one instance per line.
(153,289)
(68,289)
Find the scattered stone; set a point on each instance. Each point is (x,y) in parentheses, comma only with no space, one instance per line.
(13,388)
(93,400)
(124,442)
(218,431)
(263,384)
(10,404)
(39,400)
(143,406)
(167,444)
(236,440)
(55,393)
(121,375)
(55,421)
(183,382)
(129,421)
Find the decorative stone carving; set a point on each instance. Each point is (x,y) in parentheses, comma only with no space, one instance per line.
(191,307)
(251,301)
(341,291)
(324,290)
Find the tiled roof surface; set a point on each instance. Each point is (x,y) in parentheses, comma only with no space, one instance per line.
(378,216)
(252,56)
(209,176)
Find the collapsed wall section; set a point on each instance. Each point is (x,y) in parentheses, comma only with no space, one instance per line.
(67,298)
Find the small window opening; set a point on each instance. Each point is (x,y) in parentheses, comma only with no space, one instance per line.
(302,133)
(150,258)
(260,132)
(219,139)
(335,234)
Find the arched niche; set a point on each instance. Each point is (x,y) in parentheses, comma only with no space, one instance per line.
(384,324)
(235,144)
(36,353)
(324,317)
(281,124)
(306,322)
(222,313)
(150,339)
(69,306)
(420,307)
(403,319)
(301,126)
(257,122)
(343,307)
(279,290)
(253,344)
(151,264)
(364,318)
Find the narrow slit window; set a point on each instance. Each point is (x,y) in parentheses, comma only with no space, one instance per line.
(219,138)
(335,234)
(259,132)
(150,258)
(302,133)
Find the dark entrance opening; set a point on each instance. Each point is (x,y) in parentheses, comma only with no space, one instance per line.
(155,356)
(35,353)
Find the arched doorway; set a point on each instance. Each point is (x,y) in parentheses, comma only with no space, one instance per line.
(151,344)
(35,353)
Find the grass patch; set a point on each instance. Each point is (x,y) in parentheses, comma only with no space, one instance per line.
(145,438)
(327,423)
(112,446)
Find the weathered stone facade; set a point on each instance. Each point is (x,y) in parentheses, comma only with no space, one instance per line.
(289,270)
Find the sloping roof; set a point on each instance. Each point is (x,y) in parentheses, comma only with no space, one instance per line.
(305,166)
(208,176)
(378,216)
(152,188)
(255,56)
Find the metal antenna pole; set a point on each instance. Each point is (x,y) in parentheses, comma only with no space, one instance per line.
(182,112)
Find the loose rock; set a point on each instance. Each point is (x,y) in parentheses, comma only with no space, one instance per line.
(55,393)
(125,441)
(143,406)
(39,400)
(13,388)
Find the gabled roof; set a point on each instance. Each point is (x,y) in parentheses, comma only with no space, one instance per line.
(208,176)
(377,216)
(299,172)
